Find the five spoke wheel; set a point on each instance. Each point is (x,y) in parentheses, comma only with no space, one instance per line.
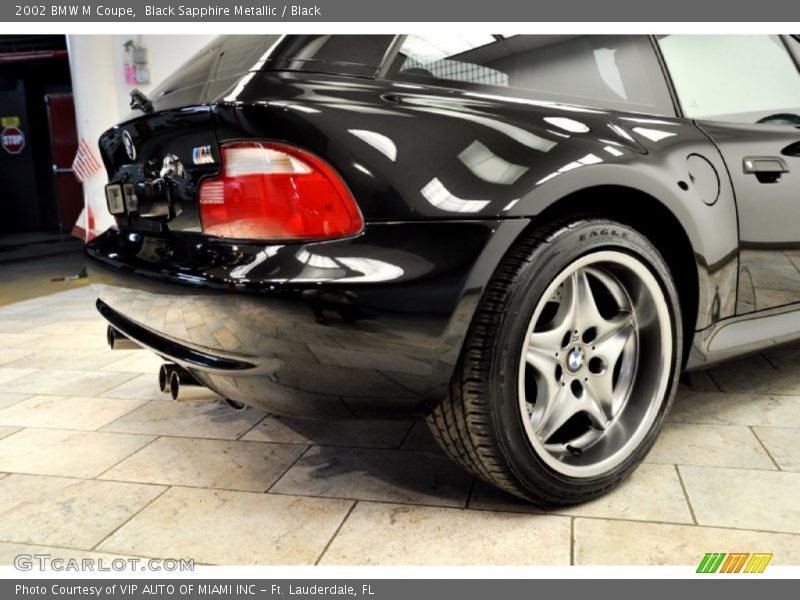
(570,364)
(587,341)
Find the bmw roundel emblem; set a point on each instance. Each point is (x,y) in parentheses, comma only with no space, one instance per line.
(130,149)
(575,359)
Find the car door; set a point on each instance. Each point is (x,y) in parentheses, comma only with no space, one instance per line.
(743,91)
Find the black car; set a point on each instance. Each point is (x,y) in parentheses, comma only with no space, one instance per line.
(525,239)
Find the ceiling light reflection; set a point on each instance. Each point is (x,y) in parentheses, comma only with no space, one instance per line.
(348,268)
(522,136)
(589,159)
(567,124)
(371,270)
(654,135)
(440,197)
(242,271)
(380,142)
(620,132)
(486,165)
(317,261)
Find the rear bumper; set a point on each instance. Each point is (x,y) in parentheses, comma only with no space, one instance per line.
(176,351)
(367,326)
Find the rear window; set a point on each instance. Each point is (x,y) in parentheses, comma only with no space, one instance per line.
(359,55)
(231,55)
(613,71)
(225,56)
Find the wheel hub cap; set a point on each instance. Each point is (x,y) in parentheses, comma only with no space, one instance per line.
(576,359)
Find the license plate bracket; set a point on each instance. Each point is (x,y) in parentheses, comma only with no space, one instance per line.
(115,199)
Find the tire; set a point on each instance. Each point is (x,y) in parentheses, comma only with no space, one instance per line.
(569,367)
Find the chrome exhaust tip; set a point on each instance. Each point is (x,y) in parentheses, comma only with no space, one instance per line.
(185,388)
(165,375)
(119,341)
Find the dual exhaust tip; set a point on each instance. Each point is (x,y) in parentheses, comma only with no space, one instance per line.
(173,379)
(183,387)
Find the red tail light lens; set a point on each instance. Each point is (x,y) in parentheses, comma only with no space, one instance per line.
(276,192)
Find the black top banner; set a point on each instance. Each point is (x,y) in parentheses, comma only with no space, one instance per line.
(133,11)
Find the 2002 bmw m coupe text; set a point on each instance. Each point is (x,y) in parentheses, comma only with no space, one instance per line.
(525,239)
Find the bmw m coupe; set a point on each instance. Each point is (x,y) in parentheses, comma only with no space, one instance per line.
(524,239)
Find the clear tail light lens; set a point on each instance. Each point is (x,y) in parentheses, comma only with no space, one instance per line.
(276,192)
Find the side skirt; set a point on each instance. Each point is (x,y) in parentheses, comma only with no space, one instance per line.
(744,334)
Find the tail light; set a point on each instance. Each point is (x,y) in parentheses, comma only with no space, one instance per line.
(276,192)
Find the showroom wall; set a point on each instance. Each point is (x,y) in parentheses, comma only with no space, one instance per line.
(97,63)
(165,54)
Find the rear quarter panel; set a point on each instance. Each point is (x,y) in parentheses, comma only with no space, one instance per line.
(410,152)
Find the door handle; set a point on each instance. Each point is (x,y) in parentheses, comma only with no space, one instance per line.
(792,150)
(767,169)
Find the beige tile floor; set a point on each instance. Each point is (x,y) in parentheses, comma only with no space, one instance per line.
(95,461)
(35,264)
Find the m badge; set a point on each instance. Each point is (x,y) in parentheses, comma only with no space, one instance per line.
(202,155)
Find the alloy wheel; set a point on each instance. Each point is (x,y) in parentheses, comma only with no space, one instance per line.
(594,365)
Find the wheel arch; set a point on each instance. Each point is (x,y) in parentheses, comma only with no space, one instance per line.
(653,219)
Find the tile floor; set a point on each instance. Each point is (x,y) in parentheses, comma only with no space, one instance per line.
(35,264)
(95,461)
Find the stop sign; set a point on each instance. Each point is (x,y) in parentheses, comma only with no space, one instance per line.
(12,140)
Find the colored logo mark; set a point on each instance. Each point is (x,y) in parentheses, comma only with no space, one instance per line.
(734,562)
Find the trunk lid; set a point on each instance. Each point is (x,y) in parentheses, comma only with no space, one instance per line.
(164,155)
(166,152)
